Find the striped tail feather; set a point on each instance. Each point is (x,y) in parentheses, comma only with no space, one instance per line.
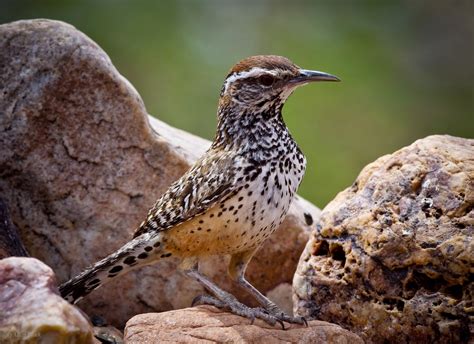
(141,251)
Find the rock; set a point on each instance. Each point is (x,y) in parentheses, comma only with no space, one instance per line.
(10,242)
(31,309)
(207,324)
(105,333)
(393,255)
(80,166)
(108,334)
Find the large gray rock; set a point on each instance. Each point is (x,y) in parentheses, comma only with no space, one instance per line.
(80,165)
(392,257)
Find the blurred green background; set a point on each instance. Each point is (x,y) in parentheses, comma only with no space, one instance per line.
(407,67)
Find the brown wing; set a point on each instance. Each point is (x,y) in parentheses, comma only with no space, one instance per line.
(209,181)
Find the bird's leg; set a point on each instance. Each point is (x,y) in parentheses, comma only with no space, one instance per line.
(238,265)
(223,299)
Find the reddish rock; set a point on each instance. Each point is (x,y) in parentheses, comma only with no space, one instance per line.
(31,309)
(205,324)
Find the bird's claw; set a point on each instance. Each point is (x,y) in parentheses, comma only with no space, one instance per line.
(270,316)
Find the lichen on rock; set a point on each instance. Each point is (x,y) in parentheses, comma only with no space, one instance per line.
(392,256)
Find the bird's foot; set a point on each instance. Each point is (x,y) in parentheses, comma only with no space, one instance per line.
(231,303)
(271,314)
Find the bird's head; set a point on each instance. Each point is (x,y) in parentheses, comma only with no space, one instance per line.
(262,83)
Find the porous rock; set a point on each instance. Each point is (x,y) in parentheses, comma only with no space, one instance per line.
(392,257)
(81,163)
(31,309)
(206,324)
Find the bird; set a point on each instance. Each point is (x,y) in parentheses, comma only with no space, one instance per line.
(232,199)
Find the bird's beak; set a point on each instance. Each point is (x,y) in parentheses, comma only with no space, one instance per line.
(306,76)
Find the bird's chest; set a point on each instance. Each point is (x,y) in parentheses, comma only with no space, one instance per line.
(256,209)
(261,203)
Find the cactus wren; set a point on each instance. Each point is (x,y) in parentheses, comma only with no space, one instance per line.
(233,197)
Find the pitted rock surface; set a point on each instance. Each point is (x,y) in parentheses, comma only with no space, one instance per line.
(81,163)
(206,324)
(392,257)
(31,309)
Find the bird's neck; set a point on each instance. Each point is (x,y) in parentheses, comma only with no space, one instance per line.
(252,132)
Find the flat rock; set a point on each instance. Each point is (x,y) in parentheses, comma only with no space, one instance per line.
(31,309)
(81,163)
(206,324)
(392,256)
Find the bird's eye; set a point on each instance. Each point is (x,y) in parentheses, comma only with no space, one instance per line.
(266,80)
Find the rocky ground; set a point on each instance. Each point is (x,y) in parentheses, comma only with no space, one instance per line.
(391,258)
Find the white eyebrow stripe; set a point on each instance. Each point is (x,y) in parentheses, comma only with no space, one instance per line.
(255,71)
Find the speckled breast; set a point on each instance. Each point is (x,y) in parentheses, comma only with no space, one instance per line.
(245,220)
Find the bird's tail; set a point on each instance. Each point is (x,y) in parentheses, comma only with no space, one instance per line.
(142,250)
